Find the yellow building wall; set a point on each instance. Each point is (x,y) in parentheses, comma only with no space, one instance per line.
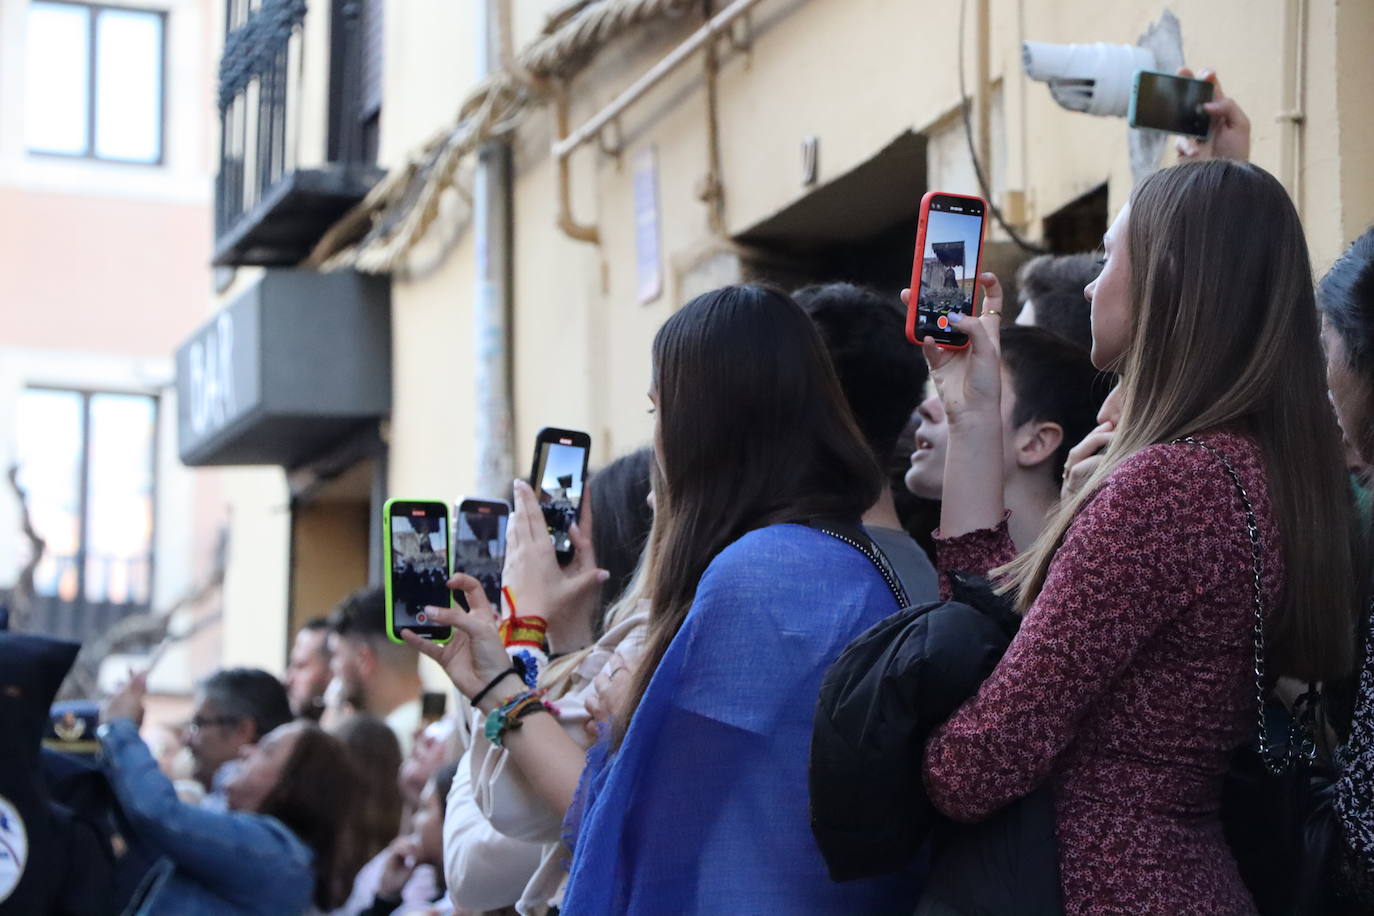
(855,74)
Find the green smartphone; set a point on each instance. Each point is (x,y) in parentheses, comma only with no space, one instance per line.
(418,567)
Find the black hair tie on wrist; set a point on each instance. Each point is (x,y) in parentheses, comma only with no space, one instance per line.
(494,681)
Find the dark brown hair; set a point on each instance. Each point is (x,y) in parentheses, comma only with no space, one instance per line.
(1346,297)
(1055,282)
(311,797)
(753,431)
(375,755)
(1225,331)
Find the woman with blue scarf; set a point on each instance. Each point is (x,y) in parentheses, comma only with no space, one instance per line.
(696,802)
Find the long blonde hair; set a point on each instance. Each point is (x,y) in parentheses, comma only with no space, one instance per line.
(1225,331)
(557,678)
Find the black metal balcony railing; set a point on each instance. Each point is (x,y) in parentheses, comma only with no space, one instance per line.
(269,211)
(109,589)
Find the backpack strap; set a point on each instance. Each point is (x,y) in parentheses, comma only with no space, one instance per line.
(855,536)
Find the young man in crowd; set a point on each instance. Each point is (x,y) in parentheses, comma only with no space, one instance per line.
(233,708)
(379,676)
(1050,397)
(882,376)
(1050,289)
(307,670)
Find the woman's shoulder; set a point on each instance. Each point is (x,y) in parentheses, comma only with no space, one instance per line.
(1190,464)
(773,549)
(1182,482)
(789,565)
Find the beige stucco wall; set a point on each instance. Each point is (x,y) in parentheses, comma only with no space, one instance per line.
(855,74)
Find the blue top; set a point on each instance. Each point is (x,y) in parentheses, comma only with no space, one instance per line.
(704,807)
(223,863)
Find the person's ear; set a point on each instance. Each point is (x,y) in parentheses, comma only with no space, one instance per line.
(245,733)
(367,661)
(1037,442)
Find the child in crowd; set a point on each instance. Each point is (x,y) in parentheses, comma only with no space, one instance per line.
(1051,393)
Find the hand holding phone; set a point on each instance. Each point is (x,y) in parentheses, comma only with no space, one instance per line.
(415,542)
(969,379)
(949,250)
(474,662)
(1230,136)
(566,596)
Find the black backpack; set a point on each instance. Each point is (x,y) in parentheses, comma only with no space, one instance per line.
(879,703)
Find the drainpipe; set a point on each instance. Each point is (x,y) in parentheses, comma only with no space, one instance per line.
(1292,65)
(491,311)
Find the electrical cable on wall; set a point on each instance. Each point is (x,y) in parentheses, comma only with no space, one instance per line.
(964,104)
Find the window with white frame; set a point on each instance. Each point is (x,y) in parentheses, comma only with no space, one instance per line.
(94,81)
(87,466)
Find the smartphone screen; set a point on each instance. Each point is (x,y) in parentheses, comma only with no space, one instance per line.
(1171,103)
(418,566)
(479,545)
(947,266)
(560,470)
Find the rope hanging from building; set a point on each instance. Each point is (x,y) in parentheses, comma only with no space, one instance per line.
(376,235)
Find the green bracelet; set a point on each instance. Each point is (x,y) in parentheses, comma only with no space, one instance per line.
(506,717)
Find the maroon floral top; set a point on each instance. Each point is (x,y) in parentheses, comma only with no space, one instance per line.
(1129,684)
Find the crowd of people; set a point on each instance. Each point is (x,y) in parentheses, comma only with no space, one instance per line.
(1144,469)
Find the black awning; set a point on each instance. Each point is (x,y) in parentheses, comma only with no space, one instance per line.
(296,363)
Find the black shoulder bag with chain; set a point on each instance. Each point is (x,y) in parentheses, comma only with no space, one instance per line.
(1277,800)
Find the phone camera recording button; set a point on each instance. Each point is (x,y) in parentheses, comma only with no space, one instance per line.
(942,322)
(422,617)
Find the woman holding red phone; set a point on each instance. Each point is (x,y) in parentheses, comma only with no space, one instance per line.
(1220,505)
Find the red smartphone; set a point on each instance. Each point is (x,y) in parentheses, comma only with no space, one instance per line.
(944,271)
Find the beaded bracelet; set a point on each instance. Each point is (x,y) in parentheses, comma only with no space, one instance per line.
(506,717)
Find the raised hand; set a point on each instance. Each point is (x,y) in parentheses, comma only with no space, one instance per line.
(127,701)
(475,655)
(970,380)
(1230,136)
(565,596)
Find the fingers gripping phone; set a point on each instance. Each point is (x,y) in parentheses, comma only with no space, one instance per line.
(415,539)
(1162,101)
(558,475)
(479,545)
(944,272)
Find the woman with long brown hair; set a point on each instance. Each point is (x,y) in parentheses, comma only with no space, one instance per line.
(702,807)
(272,853)
(1214,537)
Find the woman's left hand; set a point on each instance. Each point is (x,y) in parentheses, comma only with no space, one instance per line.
(567,597)
(970,380)
(475,656)
(127,701)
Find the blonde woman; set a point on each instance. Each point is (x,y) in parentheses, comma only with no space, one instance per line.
(1133,677)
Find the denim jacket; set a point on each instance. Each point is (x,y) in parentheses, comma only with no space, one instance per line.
(213,863)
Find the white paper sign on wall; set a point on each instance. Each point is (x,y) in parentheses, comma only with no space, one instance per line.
(648,247)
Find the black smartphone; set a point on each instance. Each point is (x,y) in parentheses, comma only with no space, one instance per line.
(560,470)
(415,538)
(479,545)
(432,706)
(1162,101)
